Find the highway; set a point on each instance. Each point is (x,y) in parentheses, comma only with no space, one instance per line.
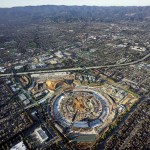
(77,68)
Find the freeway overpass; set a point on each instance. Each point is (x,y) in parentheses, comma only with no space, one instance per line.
(77,68)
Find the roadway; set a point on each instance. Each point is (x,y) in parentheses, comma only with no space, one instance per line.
(77,68)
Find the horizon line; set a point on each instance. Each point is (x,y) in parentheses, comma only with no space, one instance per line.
(78,5)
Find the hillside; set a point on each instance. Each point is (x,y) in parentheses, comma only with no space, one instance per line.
(35,14)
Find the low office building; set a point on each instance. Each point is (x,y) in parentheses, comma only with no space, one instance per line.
(42,136)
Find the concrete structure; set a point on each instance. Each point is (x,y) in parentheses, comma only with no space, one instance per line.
(52,85)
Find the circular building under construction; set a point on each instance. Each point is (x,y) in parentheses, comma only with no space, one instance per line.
(82,113)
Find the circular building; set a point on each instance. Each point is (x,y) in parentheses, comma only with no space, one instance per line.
(81,110)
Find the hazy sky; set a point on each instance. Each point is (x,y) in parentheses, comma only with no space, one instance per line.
(12,3)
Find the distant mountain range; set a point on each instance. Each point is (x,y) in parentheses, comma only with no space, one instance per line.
(35,14)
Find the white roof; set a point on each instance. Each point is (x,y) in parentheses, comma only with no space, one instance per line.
(22,96)
(81,124)
(19,146)
(41,134)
